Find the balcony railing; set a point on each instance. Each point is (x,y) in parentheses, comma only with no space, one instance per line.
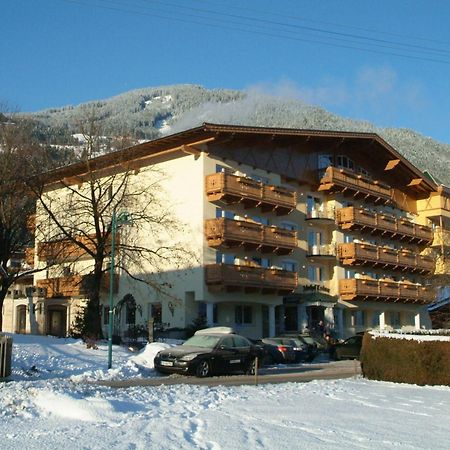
(376,256)
(230,233)
(385,290)
(29,256)
(65,250)
(228,277)
(327,250)
(317,214)
(231,189)
(74,285)
(358,186)
(352,218)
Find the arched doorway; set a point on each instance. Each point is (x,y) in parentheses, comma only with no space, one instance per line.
(21,324)
(57,320)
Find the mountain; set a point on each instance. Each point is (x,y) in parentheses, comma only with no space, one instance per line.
(151,112)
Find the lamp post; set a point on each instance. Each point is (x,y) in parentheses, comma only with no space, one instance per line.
(123,218)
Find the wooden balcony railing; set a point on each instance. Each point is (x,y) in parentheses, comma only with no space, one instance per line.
(64,250)
(228,277)
(375,256)
(228,233)
(29,256)
(231,189)
(385,290)
(347,182)
(74,285)
(353,218)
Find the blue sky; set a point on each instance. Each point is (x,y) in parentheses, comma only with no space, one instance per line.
(60,52)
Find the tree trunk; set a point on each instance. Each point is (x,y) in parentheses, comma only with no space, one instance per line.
(92,314)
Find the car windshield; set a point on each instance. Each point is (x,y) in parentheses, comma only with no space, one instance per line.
(308,340)
(203,341)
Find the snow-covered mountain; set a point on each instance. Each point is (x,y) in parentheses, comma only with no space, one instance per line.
(151,112)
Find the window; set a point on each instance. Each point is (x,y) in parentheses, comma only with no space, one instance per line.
(324,161)
(155,312)
(105,315)
(395,319)
(202,311)
(224,258)
(375,319)
(242,315)
(240,341)
(227,342)
(315,273)
(130,314)
(313,206)
(222,213)
(345,162)
(348,238)
(220,168)
(290,266)
(263,262)
(315,238)
(289,226)
(349,274)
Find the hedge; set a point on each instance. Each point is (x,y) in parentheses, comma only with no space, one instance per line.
(406,361)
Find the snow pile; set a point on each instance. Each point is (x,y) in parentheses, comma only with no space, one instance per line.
(420,337)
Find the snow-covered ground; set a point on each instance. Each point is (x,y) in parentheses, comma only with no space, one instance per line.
(48,405)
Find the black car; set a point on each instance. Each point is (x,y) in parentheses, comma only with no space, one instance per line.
(276,352)
(209,353)
(299,350)
(349,349)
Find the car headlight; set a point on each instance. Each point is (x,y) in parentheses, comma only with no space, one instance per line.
(189,357)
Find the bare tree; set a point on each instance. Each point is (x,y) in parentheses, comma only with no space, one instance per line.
(76,221)
(18,161)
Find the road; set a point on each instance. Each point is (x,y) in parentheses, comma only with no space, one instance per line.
(295,373)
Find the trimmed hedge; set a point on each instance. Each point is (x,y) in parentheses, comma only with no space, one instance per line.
(406,361)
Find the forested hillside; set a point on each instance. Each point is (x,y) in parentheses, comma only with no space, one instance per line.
(151,112)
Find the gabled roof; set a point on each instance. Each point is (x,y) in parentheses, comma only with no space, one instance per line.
(375,147)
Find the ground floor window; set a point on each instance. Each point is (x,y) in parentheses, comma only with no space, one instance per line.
(358,318)
(202,311)
(242,315)
(376,319)
(105,315)
(395,319)
(155,312)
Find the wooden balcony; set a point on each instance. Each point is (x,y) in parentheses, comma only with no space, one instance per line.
(234,278)
(74,285)
(346,182)
(29,256)
(385,290)
(374,256)
(230,189)
(64,250)
(353,218)
(228,233)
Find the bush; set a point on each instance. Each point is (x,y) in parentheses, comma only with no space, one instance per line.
(406,361)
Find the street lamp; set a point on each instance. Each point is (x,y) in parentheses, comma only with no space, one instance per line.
(123,218)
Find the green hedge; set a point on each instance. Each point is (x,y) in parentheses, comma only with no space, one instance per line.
(406,361)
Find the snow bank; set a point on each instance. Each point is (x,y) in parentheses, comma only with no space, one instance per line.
(420,337)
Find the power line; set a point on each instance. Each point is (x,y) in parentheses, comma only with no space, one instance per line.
(339,25)
(112,5)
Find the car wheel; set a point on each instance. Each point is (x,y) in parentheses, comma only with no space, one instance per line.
(251,369)
(203,369)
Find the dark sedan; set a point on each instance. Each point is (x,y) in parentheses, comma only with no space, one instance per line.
(208,354)
(349,349)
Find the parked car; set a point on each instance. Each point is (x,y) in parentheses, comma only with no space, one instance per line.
(211,351)
(277,352)
(349,349)
(301,351)
(308,341)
